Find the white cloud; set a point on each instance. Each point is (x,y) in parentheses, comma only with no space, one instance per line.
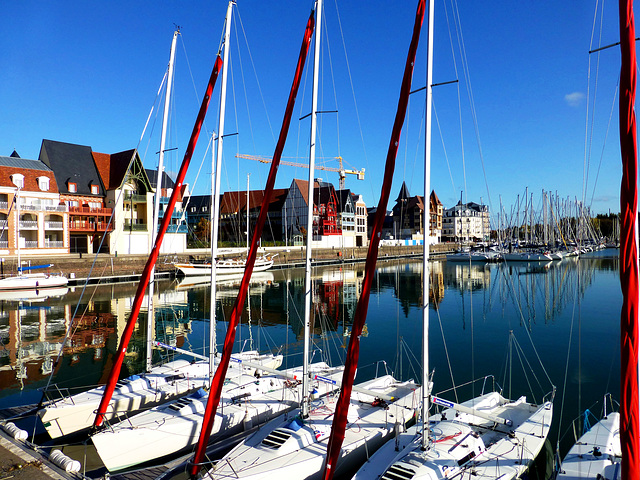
(574,99)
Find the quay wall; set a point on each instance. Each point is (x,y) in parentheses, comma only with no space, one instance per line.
(106,268)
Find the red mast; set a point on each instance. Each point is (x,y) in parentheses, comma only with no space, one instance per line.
(629,422)
(351,364)
(218,380)
(153,257)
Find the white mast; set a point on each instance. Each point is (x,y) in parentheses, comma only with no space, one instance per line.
(312,161)
(156,202)
(248,175)
(427,220)
(215,210)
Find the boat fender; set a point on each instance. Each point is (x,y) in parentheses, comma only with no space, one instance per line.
(247,421)
(314,394)
(15,432)
(200,393)
(61,460)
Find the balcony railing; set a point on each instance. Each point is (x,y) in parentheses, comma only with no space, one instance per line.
(177,229)
(29,224)
(136,226)
(53,243)
(55,208)
(4,205)
(54,225)
(89,226)
(129,196)
(31,244)
(29,207)
(90,211)
(4,243)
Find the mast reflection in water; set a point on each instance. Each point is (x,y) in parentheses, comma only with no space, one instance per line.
(473,308)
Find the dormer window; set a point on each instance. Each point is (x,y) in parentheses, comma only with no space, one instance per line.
(18,180)
(73,187)
(43,183)
(95,189)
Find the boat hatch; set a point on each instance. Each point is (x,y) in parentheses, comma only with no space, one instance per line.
(398,472)
(183,402)
(173,378)
(276,438)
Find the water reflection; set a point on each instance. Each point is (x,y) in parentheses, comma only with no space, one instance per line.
(473,307)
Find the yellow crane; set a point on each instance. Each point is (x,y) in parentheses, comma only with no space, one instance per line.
(341,171)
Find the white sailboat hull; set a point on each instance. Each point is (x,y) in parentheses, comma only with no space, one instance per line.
(32,281)
(597,454)
(175,426)
(488,451)
(74,413)
(292,448)
(224,267)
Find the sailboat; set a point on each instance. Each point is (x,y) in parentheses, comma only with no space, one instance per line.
(248,399)
(295,445)
(29,281)
(120,398)
(611,448)
(486,437)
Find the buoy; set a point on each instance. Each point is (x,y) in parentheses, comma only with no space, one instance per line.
(61,460)
(15,432)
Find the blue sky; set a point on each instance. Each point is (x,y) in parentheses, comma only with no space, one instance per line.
(88,73)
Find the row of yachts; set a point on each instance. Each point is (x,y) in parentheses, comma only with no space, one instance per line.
(158,415)
(533,254)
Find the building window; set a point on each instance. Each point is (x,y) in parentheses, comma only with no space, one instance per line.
(18,180)
(73,187)
(43,183)
(95,189)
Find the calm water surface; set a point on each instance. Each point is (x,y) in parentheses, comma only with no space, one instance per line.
(564,315)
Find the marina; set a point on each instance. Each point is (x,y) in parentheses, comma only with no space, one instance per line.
(562,306)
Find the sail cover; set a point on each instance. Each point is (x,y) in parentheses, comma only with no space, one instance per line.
(351,363)
(629,422)
(221,371)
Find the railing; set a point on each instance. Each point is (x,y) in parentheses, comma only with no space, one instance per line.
(54,225)
(55,208)
(4,205)
(136,226)
(128,196)
(31,244)
(90,211)
(53,243)
(176,229)
(30,207)
(89,226)
(4,243)
(29,224)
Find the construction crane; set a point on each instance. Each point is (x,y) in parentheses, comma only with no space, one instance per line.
(341,171)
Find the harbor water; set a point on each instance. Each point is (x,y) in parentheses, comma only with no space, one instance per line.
(526,327)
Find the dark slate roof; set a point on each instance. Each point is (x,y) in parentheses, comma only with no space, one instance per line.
(343,197)
(404,193)
(14,154)
(71,163)
(167,181)
(23,163)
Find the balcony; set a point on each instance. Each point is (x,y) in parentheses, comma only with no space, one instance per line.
(53,244)
(177,229)
(29,207)
(53,225)
(135,225)
(4,243)
(90,211)
(28,224)
(55,208)
(89,226)
(31,244)
(133,197)
(4,205)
